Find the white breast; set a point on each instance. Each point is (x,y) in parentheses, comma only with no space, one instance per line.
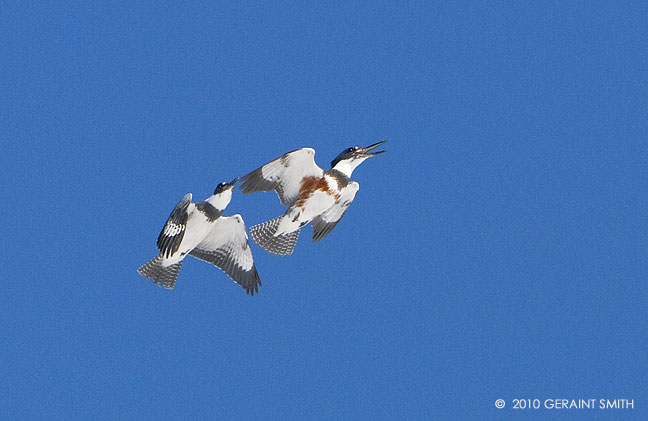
(198,227)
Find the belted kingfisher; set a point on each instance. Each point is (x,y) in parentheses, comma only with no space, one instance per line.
(310,194)
(201,230)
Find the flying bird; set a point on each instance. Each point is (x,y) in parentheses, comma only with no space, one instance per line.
(201,230)
(309,193)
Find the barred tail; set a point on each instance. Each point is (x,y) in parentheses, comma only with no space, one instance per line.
(161,275)
(263,236)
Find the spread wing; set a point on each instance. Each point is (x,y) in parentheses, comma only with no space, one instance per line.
(283,175)
(324,223)
(227,247)
(171,236)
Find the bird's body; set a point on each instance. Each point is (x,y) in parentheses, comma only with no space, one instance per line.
(310,193)
(316,196)
(200,221)
(201,230)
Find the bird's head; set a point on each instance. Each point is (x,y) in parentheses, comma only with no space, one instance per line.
(222,194)
(352,157)
(224,187)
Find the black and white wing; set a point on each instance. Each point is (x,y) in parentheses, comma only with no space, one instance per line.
(171,236)
(227,247)
(284,175)
(324,223)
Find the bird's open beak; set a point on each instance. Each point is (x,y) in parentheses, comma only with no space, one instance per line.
(233,182)
(365,151)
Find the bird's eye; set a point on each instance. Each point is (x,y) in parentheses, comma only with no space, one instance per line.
(219,188)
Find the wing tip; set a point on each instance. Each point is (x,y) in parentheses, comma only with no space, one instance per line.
(253,287)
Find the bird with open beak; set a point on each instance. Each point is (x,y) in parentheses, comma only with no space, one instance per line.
(310,194)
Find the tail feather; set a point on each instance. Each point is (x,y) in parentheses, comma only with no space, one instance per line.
(161,275)
(263,236)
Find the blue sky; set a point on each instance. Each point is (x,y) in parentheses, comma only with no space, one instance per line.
(497,250)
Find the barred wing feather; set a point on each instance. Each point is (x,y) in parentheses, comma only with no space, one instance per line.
(227,247)
(171,235)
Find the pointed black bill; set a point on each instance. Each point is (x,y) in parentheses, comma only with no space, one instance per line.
(365,151)
(232,183)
